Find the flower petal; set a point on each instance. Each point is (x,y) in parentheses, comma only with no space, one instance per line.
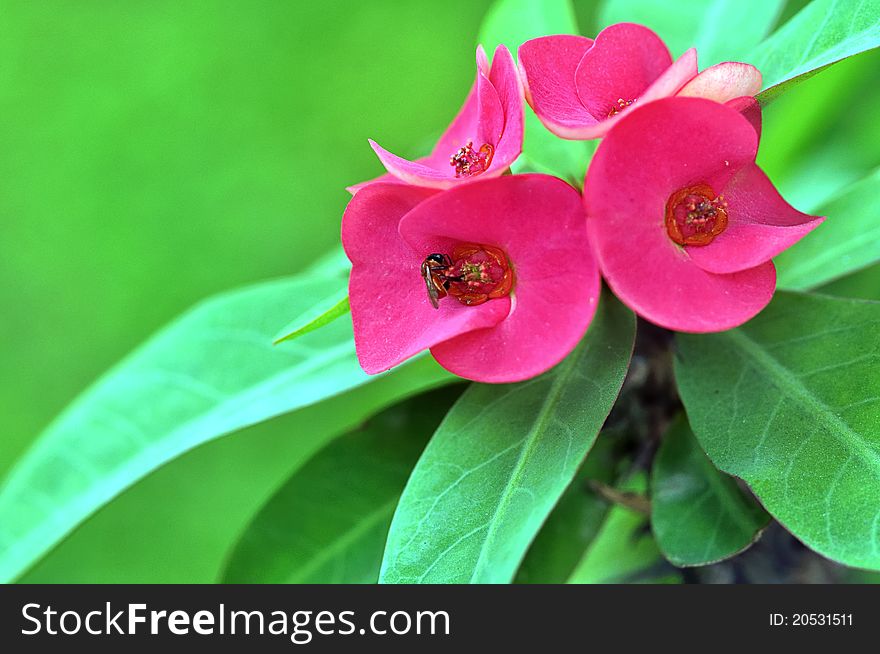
(750,110)
(428,172)
(496,101)
(392,316)
(670,80)
(761,224)
(480,120)
(548,65)
(673,78)
(623,62)
(678,295)
(660,148)
(419,173)
(507,84)
(384,178)
(490,120)
(723,82)
(539,222)
(464,125)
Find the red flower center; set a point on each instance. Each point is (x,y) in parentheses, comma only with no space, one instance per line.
(479,273)
(469,162)
(620,106)
(695,215)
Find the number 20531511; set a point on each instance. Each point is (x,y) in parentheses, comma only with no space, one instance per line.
(811,620)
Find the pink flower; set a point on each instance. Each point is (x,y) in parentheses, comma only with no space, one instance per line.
(507,261)
(579,88)
(483,139)
(683,222)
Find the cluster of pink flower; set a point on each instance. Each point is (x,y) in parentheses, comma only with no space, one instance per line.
(499,275)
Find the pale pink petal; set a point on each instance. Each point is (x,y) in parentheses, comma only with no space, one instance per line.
(723,82)
(761,224)
(623,62)
(392,316)
(539,222)
(660,148)
(548,66)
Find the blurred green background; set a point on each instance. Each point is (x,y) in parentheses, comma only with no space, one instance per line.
(153,153)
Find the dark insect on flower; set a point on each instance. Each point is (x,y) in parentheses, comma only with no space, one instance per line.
(434,269)
(472,275)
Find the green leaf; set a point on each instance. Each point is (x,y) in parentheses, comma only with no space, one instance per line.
(322,313)
(512,22)
(863,285)
(574,522)
(790,402)
(720,30)
(501,459)
(177,524)
(333,263)
(624,550)
(822,33)
(851,576)
(848,240)
(698,514)
(329,521)
(209,373)
(813,144)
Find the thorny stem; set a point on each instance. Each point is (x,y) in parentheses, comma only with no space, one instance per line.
(649,400)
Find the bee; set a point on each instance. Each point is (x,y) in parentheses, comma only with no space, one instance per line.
(434,269)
